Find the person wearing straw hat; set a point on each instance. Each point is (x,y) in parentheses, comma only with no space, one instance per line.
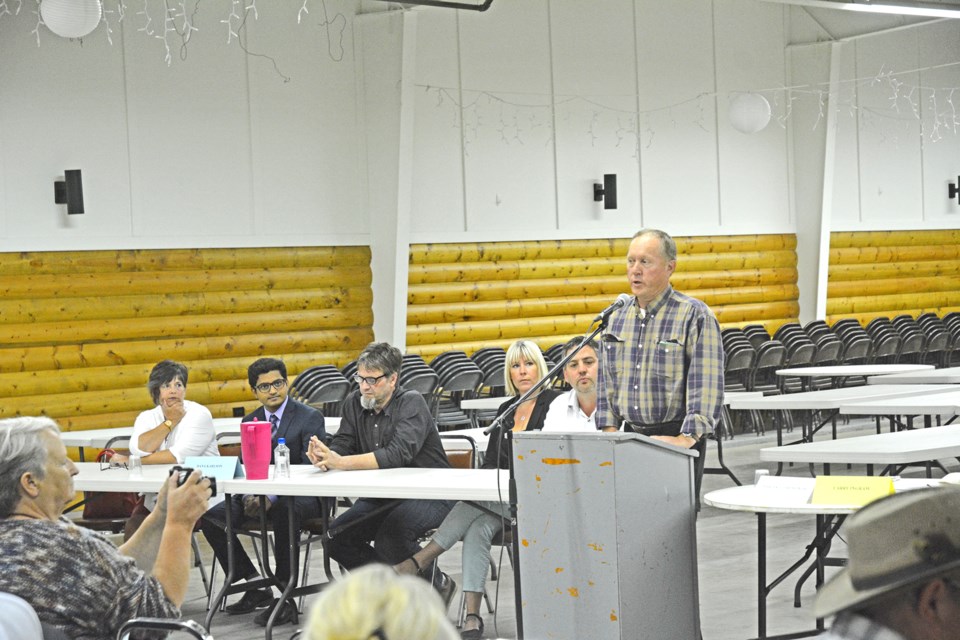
(902,580)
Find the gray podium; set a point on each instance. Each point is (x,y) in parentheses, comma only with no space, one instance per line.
(606,527)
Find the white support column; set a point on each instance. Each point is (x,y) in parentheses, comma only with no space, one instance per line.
(404,178)
(387,53)
(829,159)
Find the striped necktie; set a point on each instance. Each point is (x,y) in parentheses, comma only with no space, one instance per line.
(275,422)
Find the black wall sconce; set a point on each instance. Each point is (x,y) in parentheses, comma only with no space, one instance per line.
(607,192)
(953,190)
(69,191)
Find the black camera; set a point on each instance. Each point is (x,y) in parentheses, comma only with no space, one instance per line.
(184,472)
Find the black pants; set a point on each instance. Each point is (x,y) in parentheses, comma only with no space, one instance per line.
(214,530)
(394,527)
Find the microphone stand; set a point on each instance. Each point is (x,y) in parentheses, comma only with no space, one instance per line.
(496,424)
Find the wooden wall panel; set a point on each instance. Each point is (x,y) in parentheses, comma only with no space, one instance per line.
(888,273)
(81,330)
(471,295)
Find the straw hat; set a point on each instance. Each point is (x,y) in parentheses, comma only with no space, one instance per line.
(896,541)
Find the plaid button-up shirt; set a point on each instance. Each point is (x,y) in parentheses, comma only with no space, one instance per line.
(663,367)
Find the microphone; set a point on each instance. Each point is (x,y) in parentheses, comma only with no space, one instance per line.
(622,300)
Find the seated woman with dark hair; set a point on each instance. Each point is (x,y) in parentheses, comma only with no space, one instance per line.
(75,578)
(169,433)
(523,368)
(176,428)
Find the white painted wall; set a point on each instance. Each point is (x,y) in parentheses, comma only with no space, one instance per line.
(220,148)
(522,108)
(435,125)
(516,113)
(897,130)
(893,135)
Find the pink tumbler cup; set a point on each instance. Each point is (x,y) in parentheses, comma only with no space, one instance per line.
(255,447)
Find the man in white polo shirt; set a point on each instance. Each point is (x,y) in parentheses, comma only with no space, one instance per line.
(576,409)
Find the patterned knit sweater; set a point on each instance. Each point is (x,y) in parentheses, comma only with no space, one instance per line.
(76,579)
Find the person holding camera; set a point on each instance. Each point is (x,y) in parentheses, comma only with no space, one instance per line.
(75,578)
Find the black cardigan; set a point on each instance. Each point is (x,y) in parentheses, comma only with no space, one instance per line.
(500,440)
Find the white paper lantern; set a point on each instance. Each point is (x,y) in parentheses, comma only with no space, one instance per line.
(749,112)
(70,18)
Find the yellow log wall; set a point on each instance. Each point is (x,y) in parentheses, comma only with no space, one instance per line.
(469,296)
(887,273)
(80,331)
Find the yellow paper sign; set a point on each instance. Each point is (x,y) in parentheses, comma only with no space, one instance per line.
(850,490)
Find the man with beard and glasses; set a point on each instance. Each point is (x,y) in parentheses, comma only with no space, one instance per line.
(384,426)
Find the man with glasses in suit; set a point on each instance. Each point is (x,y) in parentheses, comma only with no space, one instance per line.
(297,423)
(383,427)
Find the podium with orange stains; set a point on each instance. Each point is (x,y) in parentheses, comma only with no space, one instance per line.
(605,540)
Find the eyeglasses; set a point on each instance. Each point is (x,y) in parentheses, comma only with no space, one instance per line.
(370,380)
(265,387)
(110,465)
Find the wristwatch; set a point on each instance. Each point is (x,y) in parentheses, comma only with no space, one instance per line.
(168,424)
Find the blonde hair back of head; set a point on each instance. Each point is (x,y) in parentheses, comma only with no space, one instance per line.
(375,602)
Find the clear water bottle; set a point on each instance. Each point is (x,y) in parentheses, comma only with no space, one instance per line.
(281,459)
(135,465)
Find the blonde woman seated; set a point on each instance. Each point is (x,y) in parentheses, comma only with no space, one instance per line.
(523,367)
(373,602)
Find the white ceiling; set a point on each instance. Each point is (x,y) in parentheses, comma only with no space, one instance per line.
(840,23)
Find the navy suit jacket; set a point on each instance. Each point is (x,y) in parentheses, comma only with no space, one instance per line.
(298,424)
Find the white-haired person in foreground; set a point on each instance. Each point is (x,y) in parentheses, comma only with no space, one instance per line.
(75,578)
(375,602)
(902,580)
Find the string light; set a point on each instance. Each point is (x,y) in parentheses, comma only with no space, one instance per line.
(231,33)
(145,12)
(178,22)
(5,8)
(106,23)
(36,27)
(168,28)
(518,117)
(513,117)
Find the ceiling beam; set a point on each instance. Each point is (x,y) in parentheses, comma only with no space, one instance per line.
(448,4)
(896,7)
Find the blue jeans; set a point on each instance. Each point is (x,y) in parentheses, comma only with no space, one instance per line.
(395,532)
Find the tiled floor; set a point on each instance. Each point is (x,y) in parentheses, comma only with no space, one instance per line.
(727,561)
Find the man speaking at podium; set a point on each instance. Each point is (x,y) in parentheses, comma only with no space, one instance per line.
(661,360)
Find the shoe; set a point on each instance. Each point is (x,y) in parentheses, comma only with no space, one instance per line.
(472,634)
(288,614)
(251,600)
(447,588)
